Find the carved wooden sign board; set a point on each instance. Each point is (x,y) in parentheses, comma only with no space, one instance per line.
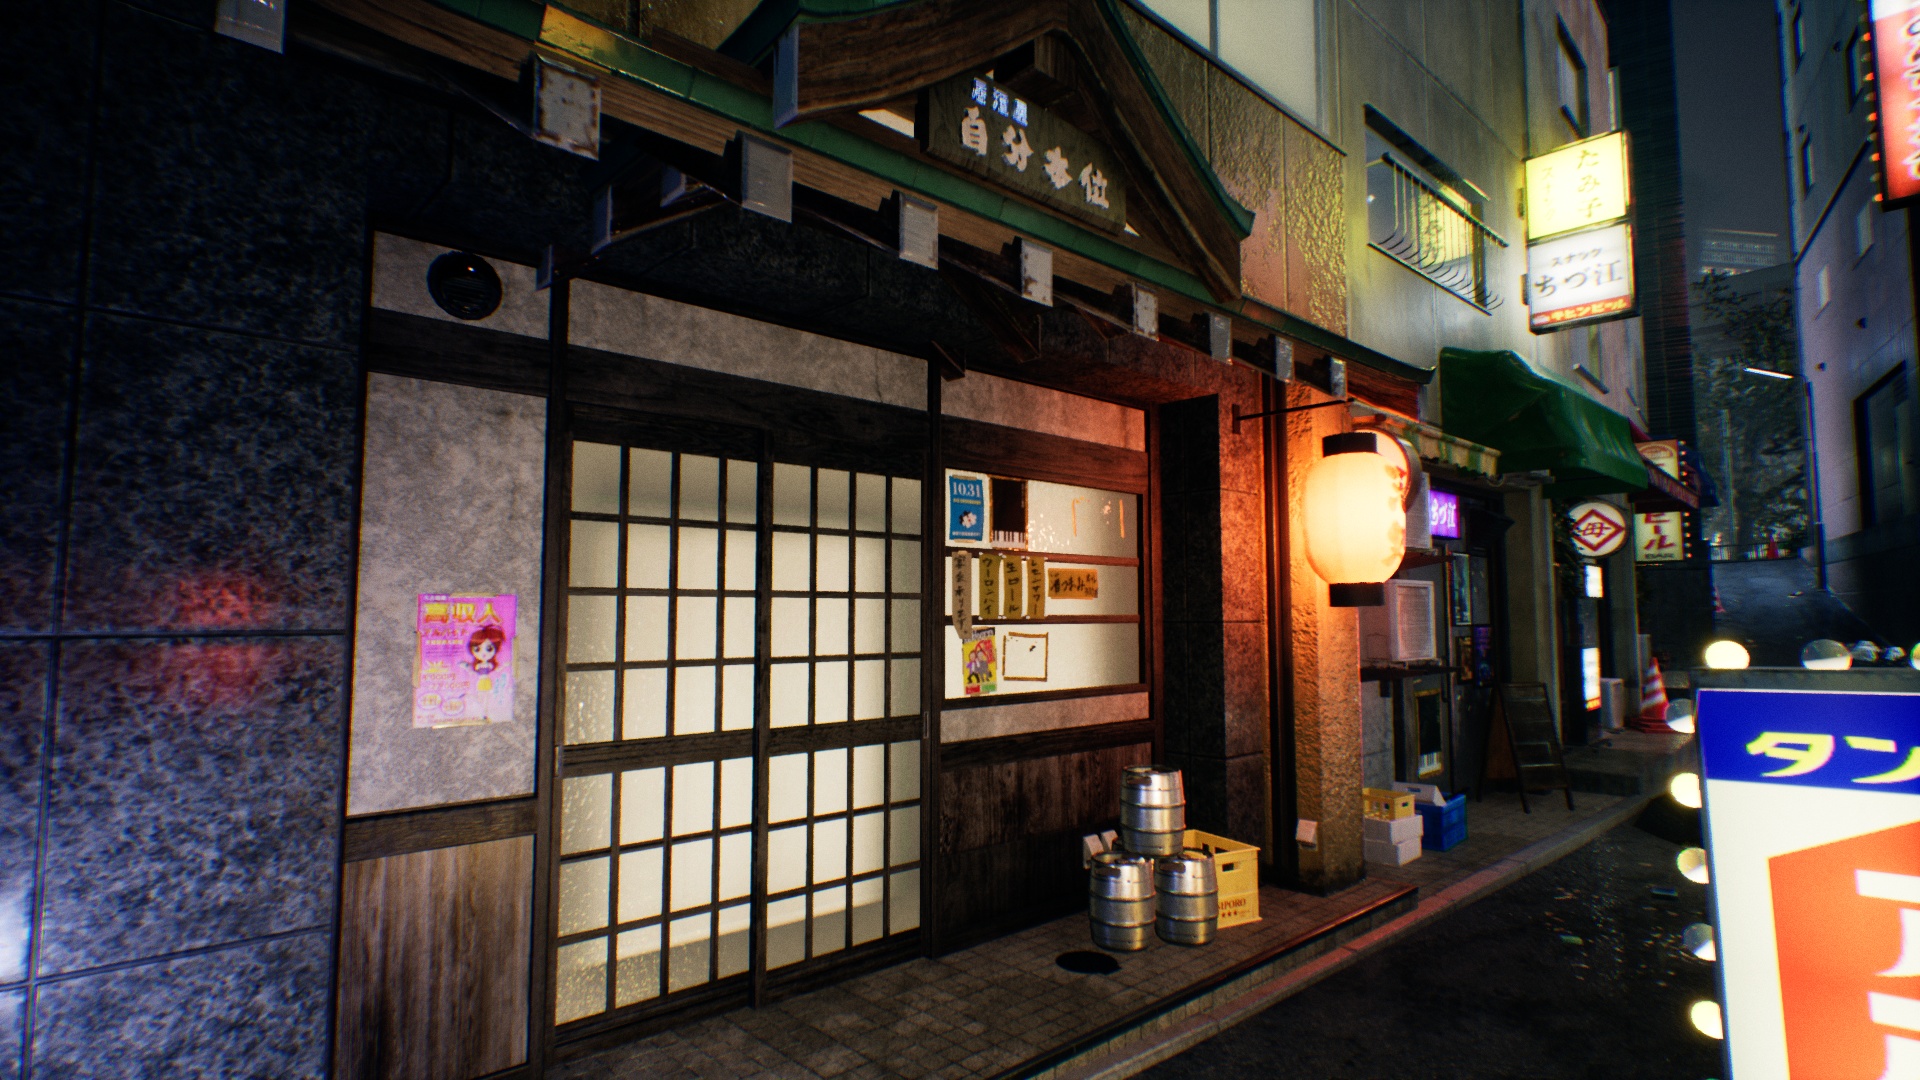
(986,129)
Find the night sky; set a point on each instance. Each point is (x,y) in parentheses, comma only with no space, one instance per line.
(1731,150)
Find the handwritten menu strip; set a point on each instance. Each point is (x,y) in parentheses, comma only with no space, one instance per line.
(1013,588)
(990,586)
(963,595)
(1076,583)
(1036,588)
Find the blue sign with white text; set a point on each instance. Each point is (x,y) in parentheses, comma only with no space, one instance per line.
(966,508)
(1857,742)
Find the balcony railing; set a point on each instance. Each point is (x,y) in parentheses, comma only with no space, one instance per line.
(1429,232)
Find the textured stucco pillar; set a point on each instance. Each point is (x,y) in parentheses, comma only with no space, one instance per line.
(1530,614)
(1325,651)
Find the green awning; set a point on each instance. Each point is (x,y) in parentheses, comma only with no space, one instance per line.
(1537,422)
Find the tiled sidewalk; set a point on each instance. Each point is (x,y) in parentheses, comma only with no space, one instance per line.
(1006,1008)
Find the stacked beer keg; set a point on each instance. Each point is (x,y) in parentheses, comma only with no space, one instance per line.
(1128,889)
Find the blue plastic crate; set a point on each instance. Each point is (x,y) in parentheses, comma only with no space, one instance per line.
(1446,826)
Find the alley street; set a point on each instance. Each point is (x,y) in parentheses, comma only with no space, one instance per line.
(1574,972)
(1775,606)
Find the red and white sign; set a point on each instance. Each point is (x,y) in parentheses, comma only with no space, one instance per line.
(1659,537)
(1599,528)
(1896,62)
(1580,278)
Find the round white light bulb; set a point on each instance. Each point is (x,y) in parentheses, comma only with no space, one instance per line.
(1826,654)
(1693,864)
(1685,789)
(1706,1018)
(1697,940)
(1680,715)
(1727,656)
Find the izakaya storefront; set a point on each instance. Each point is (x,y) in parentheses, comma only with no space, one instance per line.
(661,701)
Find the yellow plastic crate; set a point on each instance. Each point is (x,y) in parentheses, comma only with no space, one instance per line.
(1236,868)
(1390,805)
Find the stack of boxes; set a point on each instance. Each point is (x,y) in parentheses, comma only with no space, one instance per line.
(1393,828)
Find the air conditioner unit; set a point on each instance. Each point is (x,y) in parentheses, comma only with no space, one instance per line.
(1402,628)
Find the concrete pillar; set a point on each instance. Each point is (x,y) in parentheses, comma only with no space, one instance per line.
(1532,629)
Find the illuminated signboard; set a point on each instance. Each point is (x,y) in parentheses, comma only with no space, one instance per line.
(1578,186)
(1813,836)
(1599,528)
(1581,278)
(1896,64)
(1659,537)
(1443,514)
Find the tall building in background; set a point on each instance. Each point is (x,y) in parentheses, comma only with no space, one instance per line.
(1853,272)
(1737,251)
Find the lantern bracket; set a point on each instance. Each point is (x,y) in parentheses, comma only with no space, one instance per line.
(1239,416)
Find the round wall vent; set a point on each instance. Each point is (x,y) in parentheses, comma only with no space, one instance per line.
(464,285)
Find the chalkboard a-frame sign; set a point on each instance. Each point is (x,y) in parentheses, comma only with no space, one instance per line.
(993,132)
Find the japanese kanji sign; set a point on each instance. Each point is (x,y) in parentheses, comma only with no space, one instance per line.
(1896,85)
(1580,278)
(1578,186)
(1599,528)
(1659,537)
(463,670)
(984,128)
(1813,830)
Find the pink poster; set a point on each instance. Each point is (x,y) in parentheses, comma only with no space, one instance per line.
(464,673)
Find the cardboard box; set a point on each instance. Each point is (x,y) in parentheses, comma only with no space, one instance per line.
(1392,832)
(1236,870)
(1422,793)
(1392,854)
(1379,803)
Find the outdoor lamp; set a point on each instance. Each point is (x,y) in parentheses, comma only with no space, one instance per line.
(1356,519)
(1706,1019)
(1693,864)
(1727,655)
(1685,789)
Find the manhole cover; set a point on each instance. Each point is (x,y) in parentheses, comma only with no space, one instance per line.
(1088,963)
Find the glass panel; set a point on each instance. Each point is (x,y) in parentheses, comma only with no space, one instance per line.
(786,859)
(906,687)
(906,625)
(829,920)
(829,782)
(589,706)
(646,628)
(583,895)
(869,921)
(739,629)
(787,697)
(687,951)
(743,491)
(697,630)
(649,477)
(869,776)
(830,693)
(829,850)
(734,924)
(742,551)
(643,805)
(787,787)
(1064,519)
(870,503)
(903,840)
(692,798)
(906,506)
(869,689)
(869,848)
(640,884)
(698,559)
(643,704)
(699,487)
(830,627)
(786,932)
(589,629)
(903,912)
(830,569)
(869,564)
(582,989)
(792,562)
(596,478)
(833,498)
(869,626)
(636,972)
(736,697)
(693,700)
(736,792)
(692,874)
(906,771)
(647,556)
(906,566)
(593,555)
(792,495)
(736,865)
(586,813)
(789,637)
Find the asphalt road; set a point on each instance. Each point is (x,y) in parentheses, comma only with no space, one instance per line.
(1775,607)
(1573,972)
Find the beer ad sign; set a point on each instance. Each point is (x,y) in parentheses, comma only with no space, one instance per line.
(982,127)
(1896,65)
(1813,835)
(1659,537)
(1582,278)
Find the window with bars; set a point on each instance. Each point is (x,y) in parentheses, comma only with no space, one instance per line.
(1425,216)
(710,598)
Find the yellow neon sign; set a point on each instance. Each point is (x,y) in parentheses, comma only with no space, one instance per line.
(1578,185)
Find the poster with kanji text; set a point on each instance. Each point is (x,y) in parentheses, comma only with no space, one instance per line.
(463,667)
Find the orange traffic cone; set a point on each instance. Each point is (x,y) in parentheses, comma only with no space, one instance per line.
(1653,700)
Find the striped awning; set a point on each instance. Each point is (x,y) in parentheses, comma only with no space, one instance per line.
(1432,444)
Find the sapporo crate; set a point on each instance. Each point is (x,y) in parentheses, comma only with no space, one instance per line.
(1392,805)
(1236,866)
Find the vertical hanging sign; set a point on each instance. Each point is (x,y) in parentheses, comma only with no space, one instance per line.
(1896,87)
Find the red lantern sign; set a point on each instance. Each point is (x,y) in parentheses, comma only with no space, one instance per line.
(1599,528)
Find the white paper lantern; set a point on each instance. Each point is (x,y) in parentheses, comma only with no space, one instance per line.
(1355,519)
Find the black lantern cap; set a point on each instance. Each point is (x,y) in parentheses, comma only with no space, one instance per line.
(1353,442)
(1363,594)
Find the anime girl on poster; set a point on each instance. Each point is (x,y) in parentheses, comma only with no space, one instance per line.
(464,671)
